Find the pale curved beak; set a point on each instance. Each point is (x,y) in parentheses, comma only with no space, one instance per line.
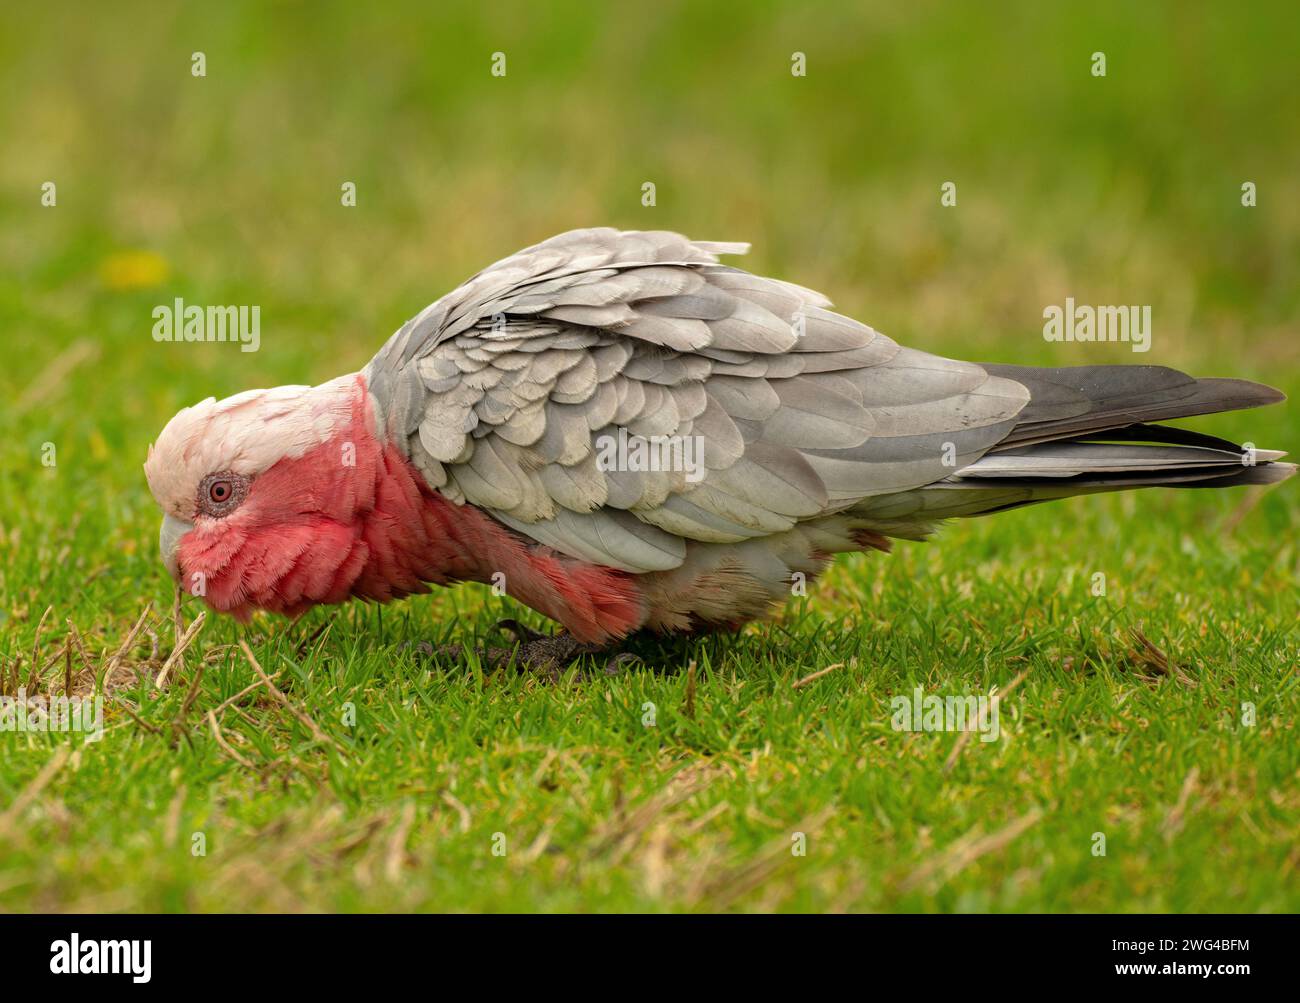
(169,542)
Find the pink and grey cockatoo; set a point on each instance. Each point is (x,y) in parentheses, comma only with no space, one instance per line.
(495,438)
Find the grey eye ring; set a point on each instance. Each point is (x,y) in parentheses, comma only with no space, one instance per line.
(221,493)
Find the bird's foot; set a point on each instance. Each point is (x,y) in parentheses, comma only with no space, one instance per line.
(547,654)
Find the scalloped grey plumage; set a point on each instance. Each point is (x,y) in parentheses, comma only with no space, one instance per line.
(498,391)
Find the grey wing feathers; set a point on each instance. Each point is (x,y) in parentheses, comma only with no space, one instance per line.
(507,392)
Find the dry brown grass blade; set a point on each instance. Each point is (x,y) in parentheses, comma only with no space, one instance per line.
(1250,499)
(459,808)
(42,389)
(396,854)
(152,729)
(178,621)
(967,849)
(689,708)
(33,790)
(190,695)
(285,702)
(172,820)
(361,836)
(75,638)
(122,651)
(625,831)
(241,694)
(815,676)
(737,882)
(1146,653)
(34,674)
(317,634)
(995,700)
(1174,820)
(226,746)
(40,628)
(37,675)
(178,652)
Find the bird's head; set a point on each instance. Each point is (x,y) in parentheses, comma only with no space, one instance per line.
(259,494)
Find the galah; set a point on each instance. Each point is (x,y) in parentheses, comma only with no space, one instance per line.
(625,434)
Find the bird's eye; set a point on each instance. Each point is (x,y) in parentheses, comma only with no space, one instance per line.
(221,493)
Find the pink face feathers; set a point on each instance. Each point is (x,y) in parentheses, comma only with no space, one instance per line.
(252,486)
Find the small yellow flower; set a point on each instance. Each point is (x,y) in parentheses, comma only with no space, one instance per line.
(125,270)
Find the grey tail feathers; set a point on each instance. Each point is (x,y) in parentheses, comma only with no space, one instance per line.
(1088,429)
(1078,401)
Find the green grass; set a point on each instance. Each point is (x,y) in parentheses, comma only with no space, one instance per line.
(1116,190)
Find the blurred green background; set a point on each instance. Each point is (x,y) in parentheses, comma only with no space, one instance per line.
(1114,190)
(1122,189)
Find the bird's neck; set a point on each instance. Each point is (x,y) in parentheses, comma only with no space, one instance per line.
(411,534)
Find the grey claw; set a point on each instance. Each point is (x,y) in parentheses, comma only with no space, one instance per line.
(533,651)
(623,660)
